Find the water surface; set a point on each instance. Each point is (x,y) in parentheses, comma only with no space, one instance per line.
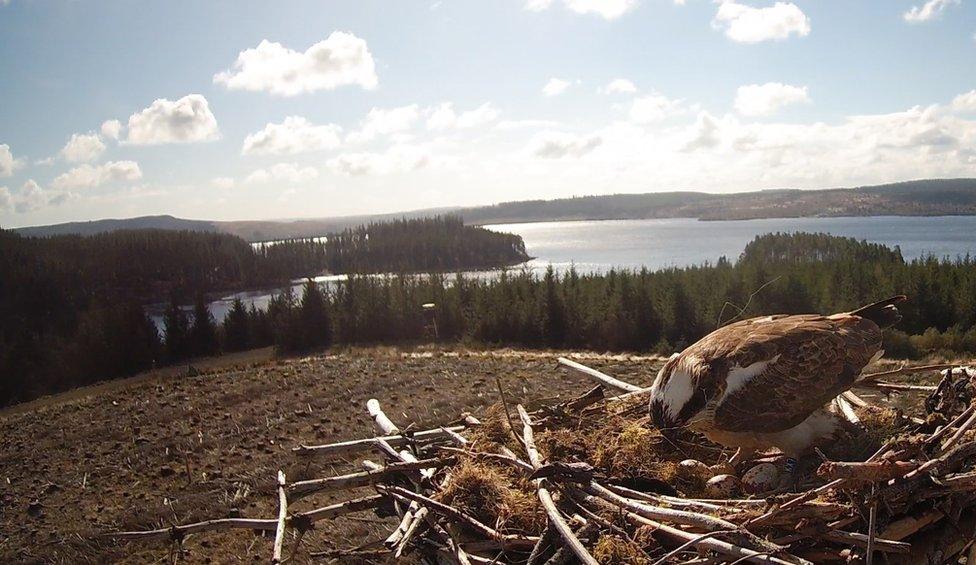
(598,246)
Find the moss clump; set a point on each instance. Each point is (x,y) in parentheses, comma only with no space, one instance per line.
(562,444)
(628,449)
(494,497)
(612,549)
(494,430)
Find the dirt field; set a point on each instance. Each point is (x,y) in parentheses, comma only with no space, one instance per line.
(161,449)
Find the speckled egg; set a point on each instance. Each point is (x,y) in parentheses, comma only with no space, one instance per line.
(694,468)
(722,486)
(764,477)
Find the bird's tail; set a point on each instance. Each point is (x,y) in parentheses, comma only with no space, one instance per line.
(883,313)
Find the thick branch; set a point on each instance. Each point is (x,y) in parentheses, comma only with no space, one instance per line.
(866,471)
(359,445)
(555,518)
(296,520)
(364,478)
(282,517)
(600,377)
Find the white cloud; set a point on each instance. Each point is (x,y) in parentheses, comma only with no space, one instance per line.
(83,147)
(7,162)
(705,135)
(555,87)
(765,99)
(654,108)
(89,176)
(608,9)
(282,172)
(928,11)
(556,145)
(619,86)
(294,135)
(30,198)
(745,24)
(380,121)
(6,201)
(509,125)
(186,120)
(222,182)
(111,129)
(340,60)
(444,117)
(397,159)
(965,102)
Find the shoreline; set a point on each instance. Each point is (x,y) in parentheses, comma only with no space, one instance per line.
(708,219)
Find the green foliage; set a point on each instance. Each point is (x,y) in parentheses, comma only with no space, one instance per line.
(202,337)
(177,332)
(55,336)
(54,327)
(237,328)
(667,310)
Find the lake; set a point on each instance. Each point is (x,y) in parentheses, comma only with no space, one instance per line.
(597,246)
(678,242)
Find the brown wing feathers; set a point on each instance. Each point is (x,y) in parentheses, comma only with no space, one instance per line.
(819,357)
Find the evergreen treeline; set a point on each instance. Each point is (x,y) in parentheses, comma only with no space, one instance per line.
(71,307)
(659,311)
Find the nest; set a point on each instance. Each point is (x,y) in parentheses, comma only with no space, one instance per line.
(589,480)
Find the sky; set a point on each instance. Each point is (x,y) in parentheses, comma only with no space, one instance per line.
(243,109)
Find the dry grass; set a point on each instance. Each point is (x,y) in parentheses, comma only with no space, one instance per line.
(495,497)
(611,549)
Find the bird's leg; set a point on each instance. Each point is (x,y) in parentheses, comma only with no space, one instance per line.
(792,476)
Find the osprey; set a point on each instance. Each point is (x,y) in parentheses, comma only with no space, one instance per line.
(764,382)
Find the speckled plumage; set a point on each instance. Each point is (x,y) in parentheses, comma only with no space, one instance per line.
(767,375)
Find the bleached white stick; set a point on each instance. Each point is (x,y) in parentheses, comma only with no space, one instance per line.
(600,377)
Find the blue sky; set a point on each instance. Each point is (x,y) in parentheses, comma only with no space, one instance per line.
(247,110)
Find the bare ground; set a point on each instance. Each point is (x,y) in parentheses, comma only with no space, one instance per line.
(167,448)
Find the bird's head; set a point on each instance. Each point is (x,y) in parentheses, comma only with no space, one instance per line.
(680,392)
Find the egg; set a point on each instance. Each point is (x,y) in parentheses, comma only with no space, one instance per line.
(764,477)
(722,486)
(694,468)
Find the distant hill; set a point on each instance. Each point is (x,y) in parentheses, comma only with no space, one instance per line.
(932,197)
(939,197)
(102,226)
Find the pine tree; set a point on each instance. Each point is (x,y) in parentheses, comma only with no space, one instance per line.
(554,322)
(203,331)
(176,329)
(315,322)
(236,327)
